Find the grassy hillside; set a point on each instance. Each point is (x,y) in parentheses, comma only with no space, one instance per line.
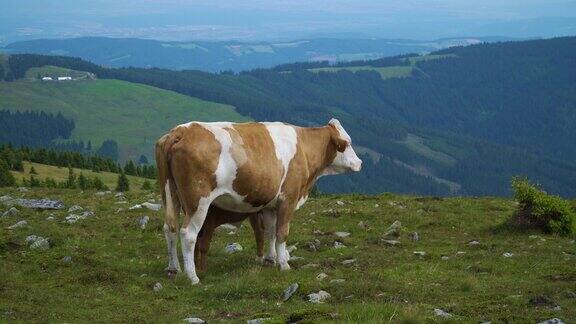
(114,265)
(61,174)
(134,115)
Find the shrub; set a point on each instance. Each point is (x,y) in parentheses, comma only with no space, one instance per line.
(6,178)
(146,185)
(538,209)
(123,184)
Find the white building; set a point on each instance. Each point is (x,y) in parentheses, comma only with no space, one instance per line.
(64,78)
(46,79)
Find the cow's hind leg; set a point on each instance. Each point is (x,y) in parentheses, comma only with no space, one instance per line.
(269,220)
(258,227)
(172,207)
(196,208)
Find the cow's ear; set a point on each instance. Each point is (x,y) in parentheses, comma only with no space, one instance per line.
(335,138)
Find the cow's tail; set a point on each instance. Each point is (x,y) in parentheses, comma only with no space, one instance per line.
(166,180)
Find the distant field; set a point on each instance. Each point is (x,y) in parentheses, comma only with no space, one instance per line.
(388,72)
(134,115)
(61,174)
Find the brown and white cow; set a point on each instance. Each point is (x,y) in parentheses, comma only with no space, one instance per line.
(248,167)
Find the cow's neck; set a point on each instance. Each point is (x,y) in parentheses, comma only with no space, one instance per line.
(319,150)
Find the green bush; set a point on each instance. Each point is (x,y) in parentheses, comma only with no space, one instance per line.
(6,178)
(538,209)
(123,183)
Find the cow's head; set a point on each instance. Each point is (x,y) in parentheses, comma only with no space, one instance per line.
(346,159)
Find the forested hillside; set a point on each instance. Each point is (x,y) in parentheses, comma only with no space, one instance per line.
(462,120)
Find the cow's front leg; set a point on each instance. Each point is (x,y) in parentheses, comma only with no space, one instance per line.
(269,221)
(283,219)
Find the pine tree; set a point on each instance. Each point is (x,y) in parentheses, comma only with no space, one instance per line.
(123,183)
(6,178)
(146,185)
(130,168)
(98,184)
(83,182)
(71,182)
(33,171)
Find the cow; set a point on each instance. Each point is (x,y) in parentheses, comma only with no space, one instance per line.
(267,167)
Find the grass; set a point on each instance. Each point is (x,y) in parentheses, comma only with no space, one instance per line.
(115,265)
(134,115)
(60,174)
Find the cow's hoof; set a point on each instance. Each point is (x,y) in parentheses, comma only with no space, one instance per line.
(268,261)
(171,273)
(284,266)
(195,280)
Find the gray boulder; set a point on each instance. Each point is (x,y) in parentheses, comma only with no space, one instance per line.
(233,248)
(142,221)
(10,212)
(319,297)
(393,230)
(288,292)
(20,224)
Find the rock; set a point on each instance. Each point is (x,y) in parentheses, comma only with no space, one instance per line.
(151,206)
(348,262)
(340,203)
(50,218)
(288,292)
(414,236)
(194,320)
(314,245)
(473,242)
(75,208)
(557,308)
(394,230)
(321,276)
(67,259)
(20,224)
(310,265)
(571,294)
(142,221)
(460,253)
(73,218)
(445,257)
(391,242)
(38,203)
(233,248)
(318,232)
(10,212)
(135,207)
(362,225)
(295,258)
(23,189)
(337,281)
(552,321)
(341,234)
(40,244)
(257,320)
(157,287)
(102,193)
(420,253)
(376,205)
(31,239)
(228,227)
(442,313)
(291,248)
(508,255)
(119,210)
(339,245)
(319,297)
(6,199)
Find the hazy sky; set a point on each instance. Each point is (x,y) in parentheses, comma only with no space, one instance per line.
(265,20)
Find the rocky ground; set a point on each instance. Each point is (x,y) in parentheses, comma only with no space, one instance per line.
(100,256)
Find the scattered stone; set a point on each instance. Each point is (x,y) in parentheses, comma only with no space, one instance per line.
(10,212)
(341,234)
(157,287)
(552,321)
(39,243)
(292,248)
(23,189)
(151,206)
(6,199)
(474,242)
(233,248)
(339,245)
(31,239)
(420,253)
(394,230)
(348,262)
(318,232)
(38,203)
(414,236)
(50,218)
(445,257)
(194,320)
(362,225)
(376,205)
(339,203)
(460,253)
(442,313)
(20,224)
(508,255)
(571,294)
(75,208)
(102,193)
(119,210)
(533,237)
(73,218)
(288,292)
(337,281)
(135,207)
(321,276)
(557,308)
(310,265)
(296,258)
(228,227)
(391,242)
(257,320)
(319,297)
(67,259)
(142,221)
